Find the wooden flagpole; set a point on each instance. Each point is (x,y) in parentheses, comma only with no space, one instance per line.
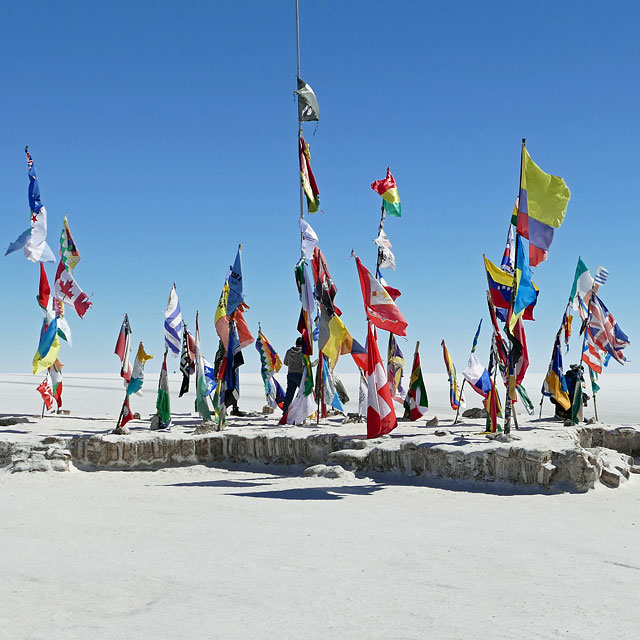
(511,372)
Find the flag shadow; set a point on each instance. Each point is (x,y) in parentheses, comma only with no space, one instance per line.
(314,493)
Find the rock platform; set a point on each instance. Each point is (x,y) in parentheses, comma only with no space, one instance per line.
(543,454)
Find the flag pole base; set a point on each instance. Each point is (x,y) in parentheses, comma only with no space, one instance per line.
(121,431)
(207,426)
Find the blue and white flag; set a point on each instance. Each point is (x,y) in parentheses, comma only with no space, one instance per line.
(236,297)
(477,376)
(173,323)
(601,276)
(33,241)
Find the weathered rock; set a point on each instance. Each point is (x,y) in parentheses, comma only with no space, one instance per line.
(333,471)
(121,431)
(433,422)
(267,410)
(207,426)
(8,422)
(475,412)
(610,477)
(441,432)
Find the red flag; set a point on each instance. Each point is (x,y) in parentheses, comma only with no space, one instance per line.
(380,307)
(46,391)
(126,413)
(67,290)
(43,289)
(381,416)
(122,348)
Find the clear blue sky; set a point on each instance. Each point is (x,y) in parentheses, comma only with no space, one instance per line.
(167,132)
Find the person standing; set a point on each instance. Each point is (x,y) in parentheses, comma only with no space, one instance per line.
(294,364)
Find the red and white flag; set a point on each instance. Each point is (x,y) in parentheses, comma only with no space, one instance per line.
(381,416)
(67,290)
(126,413)
(592,355)
(122,349)
(379,305)
(46,392)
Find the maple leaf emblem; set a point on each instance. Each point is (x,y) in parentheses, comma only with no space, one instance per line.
(66,288)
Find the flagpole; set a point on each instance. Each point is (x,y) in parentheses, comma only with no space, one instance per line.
(380,230)
(299,120)
(508,403)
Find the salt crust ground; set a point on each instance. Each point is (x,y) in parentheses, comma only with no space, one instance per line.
(212,553)
(203,552)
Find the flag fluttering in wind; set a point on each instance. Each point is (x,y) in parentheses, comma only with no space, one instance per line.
(187,360)
(308,107)
(66,289)
(526,294)
(607,334)
(395,369)
(555,385)
(501,288)
(172,322)
(123,347)
(163,401)
(309,238)
(48,347)
(309,185)
(270,364)
(582,283)
(477,376)
(455,398)
(44,388)
(221,319)
(33,241)
(126,414)
(234,361)
(381,416)
(202,405)
(303,406)
(386,259)
(55,370)
(601,276)
(307,299)
(69,254)
(509,252)
(416,402)
(388,189)
(542,205)
(591,354)
(137,373)
(236,296)
(494,410)
(379,306)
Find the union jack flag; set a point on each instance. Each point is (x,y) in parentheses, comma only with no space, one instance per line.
(591,354)
(606,333)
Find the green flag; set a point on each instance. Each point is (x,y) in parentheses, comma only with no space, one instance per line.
(163,402)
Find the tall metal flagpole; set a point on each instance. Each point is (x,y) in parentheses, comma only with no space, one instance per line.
(299,120)
(380,230)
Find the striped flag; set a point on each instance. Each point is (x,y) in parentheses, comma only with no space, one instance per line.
(416,402)
(123,347)
(187,360)
(172,323)
(69,253)
(591,355)
(607,335)
(601,276)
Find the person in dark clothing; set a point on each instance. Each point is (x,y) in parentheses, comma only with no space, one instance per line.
(295,366)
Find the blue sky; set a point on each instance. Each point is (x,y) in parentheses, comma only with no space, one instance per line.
(167,132)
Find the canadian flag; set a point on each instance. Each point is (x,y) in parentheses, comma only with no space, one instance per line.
(67,290)
(46,392)
(381,416)
(379,305)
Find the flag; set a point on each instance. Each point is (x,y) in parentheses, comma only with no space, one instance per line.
(44,292)
(455,398)
(234,361)
(475,338)
(202,405)
(307,299)
(330,396)
(236,296)
(501,287)
(270,364)
(359,354)
(308,107)
(55,370)
(416,401)
(601,276)
(380,308)
(582,282)
(46,392)
(509,251)
(66,289)
(163,402)
(69,254)
(591,354)
(576,403)
(555,385)
(595,387)
(187,360)
(309,238)
(519,353)
(137,373)
(381,416)
(303,405)
(362,394)
(386,259)
(123,347)
(172,322)
(542,206)
(309,185)
(526,294)
(606,333)
(126,413)
(494,410)
(395,369)
(388,189)
(567,320)
(33,241)
(221,319)
(48,347)
(477,376)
